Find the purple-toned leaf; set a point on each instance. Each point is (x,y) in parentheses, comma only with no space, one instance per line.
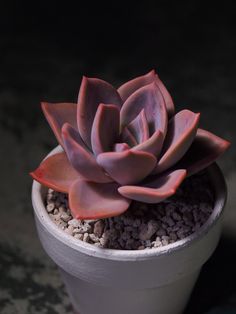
(56,173)
(80,158)
(167,97)
(105,129)
(182,130)
(139,127)
(127,137)
(120,147)
(88,200)
(156,189)
(59,113)
(73,133)
(93,92)
(205,149)
(151,100)
(131,86)
(152,145)
(127,167)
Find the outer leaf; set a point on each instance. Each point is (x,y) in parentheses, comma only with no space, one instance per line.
(56,173)
(80,158)
(139,127)
(205,149)
(89,200)
(128,166)
(131,86)
(156,189)
(106,127)
(152,145)
(167,97)
(59,113)
(93,92)
(151,100)
(182,130)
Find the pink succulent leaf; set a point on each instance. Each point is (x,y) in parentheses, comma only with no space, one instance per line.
(89,200)
(205,149)
(73,133)
(127,137)
(105,129)
(127,167)
(151,100)
(152,145)
(167,97)
(56,173)
(59,113)
(182,130)
(120,147)
(156,189)
(131,86)
(139,127)
(93,92)
(80,158)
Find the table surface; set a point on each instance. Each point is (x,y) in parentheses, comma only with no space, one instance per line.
(43,65)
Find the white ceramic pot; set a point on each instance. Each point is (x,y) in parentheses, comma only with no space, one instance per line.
(106,281)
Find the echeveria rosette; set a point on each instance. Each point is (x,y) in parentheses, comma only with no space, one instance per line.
(123,145)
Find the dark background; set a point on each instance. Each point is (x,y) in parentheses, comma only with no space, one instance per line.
(45,48)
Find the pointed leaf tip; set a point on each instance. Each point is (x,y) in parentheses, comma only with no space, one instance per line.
(156,188)
(58,114)
(151,100)
(182,130)
(131,86)
(56,173)
(139,127)
(105,129)
(205,149)
(93,92)
(166,95)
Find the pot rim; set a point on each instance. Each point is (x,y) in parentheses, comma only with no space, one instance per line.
(220,191)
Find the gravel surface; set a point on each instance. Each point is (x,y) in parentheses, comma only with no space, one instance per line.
(143,226)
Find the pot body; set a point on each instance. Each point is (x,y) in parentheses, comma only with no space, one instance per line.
(91,298)
(105,281)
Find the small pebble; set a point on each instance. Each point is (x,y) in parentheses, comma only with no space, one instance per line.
(157,244)
(176,216)
(173,236)
(79,236)
(161,232)
(69,231)
(98,228)
(164,242)
(86,237)
(141,247)
(62,209)
(144,226)
(74,222)
(93,238)
(65,217)
(76,230)
(50,207)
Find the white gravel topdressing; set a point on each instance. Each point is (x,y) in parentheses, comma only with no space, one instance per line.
(143,226)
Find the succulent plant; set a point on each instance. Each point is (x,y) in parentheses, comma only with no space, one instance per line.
(123,145)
